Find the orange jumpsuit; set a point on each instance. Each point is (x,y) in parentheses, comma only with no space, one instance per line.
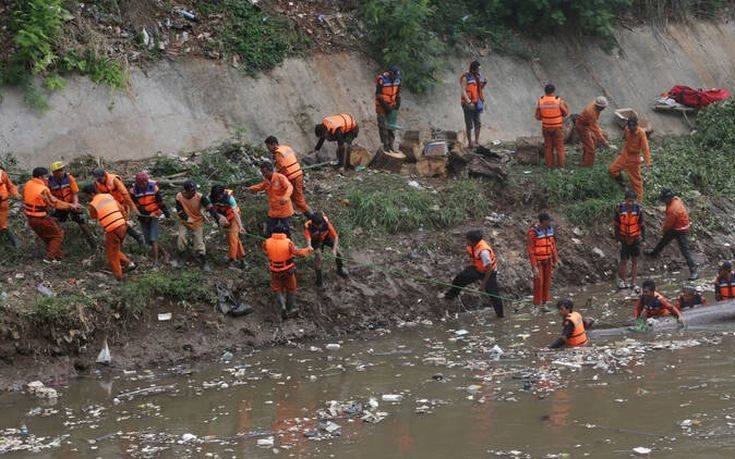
(543,255)
(110,216)
(551,111)
(7,189)
(228,207)
(281,252)
(288,164)
(589,132)
(629,160)
(37,198)
(278,188)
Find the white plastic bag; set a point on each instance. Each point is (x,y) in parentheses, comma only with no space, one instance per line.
(104,355)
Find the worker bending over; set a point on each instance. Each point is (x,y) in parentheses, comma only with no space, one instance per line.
(574,327)
(189,205)
(109,214)
(113,185)
(653,304)
(629,231)
(7,191)
(387,104)
(543,256)
(551,111)
(725,283)
(288,164)
(229,217)
(279,190)
(342,129)
(629,160)
(588,129)
(483,267)
(281,252)
(690,297)
(473,101)
(320,233)
(37,199)
(64,188)
(150,205)
(675,226)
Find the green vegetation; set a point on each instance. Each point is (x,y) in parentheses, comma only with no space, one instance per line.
(417,34)
(387,203)
(688,165)
(140,292)
(259,40)
(36,28)
(57,309)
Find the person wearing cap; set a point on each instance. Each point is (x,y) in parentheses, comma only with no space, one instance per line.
(472,99)
(150,205)
(675,226)
(64,188)
(543,256)
(387,104)
(588,130)
(228,216)
(7,190)
(690,297)
(189,206)
(629,160)
(725,283)
(551,111)
(107,183)
(630,232)
(279,190)
(37,199)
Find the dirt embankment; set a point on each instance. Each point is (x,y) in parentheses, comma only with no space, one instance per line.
(393,278)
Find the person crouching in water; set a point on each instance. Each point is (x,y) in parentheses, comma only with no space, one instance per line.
(653,304)
(690,297)
(574,327)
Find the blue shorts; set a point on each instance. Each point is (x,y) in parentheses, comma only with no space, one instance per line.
(150,230)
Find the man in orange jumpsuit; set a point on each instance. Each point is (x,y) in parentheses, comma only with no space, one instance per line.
(105,182)
(551,111)
(629,160)
(281,252)
(279,191)
(7,190)
(588,130)
(229,217)
(675,226)
(288,164)
(37,198)
(110,215)
(543,256)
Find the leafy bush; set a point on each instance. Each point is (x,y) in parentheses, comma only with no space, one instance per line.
(387,203)
(399,33)
(259,40)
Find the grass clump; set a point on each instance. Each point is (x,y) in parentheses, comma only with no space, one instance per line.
(260,41)
(140,292)
(389,204)
(57,309)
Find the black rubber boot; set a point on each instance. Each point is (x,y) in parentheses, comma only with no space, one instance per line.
(137,235)
(291,309)
(319,278)
(281,300)
(340,267)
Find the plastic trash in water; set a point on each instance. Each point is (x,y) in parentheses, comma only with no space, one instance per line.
(104,356)
(24,431)
(332,347)
(495,353)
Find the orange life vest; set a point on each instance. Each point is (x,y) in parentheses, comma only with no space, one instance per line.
(550,110)
(579,335)
(474,87)
(543,243)
(61,188)
(318,233)
(108,187)
(654,307)
(145,199)
(193,209)
(726,286)
(278,249)
(343,122)
(4,191)
(629,225)
(289,163)
(34,204)
(476,259)
(389,88)
(109,214)
(224,207)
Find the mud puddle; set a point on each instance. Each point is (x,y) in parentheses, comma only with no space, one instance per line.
(468,386)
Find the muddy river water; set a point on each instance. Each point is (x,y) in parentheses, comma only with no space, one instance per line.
(436,390)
